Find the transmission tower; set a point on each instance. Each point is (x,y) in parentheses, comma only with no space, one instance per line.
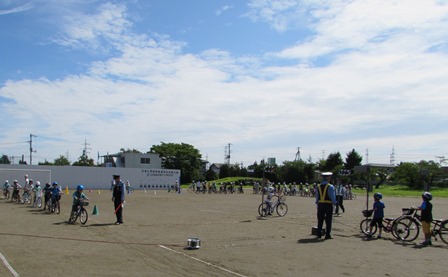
(392,156)
(298,158)
(85,150)
(31,148)
(227,154)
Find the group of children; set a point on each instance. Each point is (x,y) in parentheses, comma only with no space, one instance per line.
(426,215)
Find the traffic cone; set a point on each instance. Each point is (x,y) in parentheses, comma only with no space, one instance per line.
(66,189)
(145,190)
(155,192)
(95,211)
(90,190)
(99,191)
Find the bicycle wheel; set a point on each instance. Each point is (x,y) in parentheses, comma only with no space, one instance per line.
(39,202)
(443,231)
(365,227)
(399,230)
(131,190)
(411,229)
(282,209)
(83,217)
(263,209)
(73,217)
(48,206)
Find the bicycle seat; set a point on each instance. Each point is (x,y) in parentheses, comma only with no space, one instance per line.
(389,219)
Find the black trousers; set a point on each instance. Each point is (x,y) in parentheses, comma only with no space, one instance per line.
(324,213)
(118,209)
(340,200)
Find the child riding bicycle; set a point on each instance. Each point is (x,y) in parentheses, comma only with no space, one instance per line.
(78,196)
(268,199)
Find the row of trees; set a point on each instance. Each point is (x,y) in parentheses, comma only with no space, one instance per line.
(416,175)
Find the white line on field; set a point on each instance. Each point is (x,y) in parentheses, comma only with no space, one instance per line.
(204,262)
(212,211)
(14,273)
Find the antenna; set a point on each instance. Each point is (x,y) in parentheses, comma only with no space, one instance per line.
(367,155)
(31,148)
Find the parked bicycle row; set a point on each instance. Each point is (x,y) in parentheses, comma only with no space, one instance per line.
(291,189)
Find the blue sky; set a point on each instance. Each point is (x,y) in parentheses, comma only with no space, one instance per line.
(266,76)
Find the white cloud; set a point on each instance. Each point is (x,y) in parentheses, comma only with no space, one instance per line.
(6,9)
(383,70)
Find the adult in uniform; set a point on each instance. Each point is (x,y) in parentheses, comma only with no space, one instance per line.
(118,194)
(325,199)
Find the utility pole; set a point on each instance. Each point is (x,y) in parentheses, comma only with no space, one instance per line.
(31,148)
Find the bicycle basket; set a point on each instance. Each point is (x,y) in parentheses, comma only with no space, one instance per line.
(85,203)
(367,213)
(407,211)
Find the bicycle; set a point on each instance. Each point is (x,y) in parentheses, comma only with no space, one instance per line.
(278,205)
(26,197)
(412,222)
(390,225)
(15,197)
(53,205)
(38,199)
(6,193)
(129,189)
(80,212)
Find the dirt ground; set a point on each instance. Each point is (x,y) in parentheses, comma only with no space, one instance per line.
(234,241)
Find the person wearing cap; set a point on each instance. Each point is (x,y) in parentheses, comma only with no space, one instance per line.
(325,199)
(118,195)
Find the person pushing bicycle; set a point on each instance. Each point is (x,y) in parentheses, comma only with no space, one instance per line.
(426,217)
(78,196)
(378,214)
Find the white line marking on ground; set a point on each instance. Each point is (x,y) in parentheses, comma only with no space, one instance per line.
(201,261)
(212,211)
(14,273)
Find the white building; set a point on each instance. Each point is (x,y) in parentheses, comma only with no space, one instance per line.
(142,170)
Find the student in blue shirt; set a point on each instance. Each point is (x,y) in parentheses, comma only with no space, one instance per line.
(378,214)
(426,217)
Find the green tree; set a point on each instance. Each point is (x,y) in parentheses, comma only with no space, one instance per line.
(224,171)
(210,175)
(180,156)
(4,160)
(352,159)
(408,174)
(333,163)
(84,160)
(46,163)
(62,160)
(122,150)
